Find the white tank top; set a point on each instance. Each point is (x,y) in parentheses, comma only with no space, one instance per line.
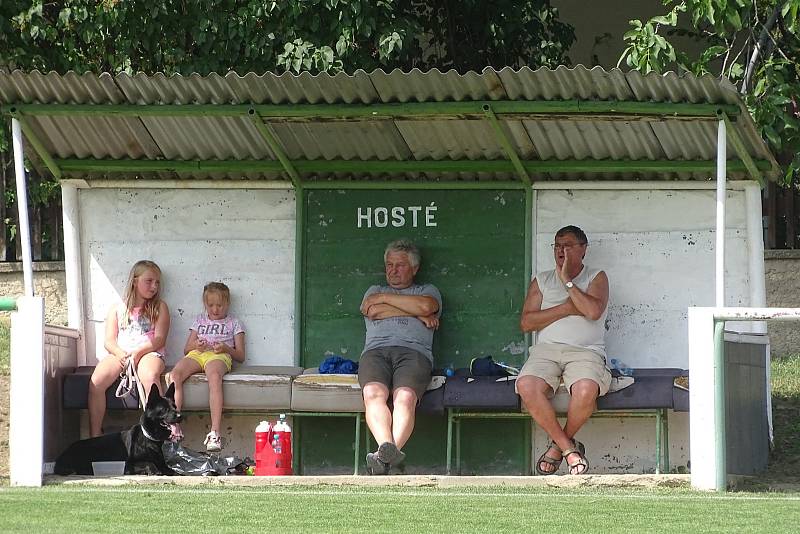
(574,330)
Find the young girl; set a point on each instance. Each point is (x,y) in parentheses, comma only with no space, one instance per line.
(215,339)
(135,329)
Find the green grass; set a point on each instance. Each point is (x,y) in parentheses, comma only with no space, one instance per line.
(785,457)
(417,510)
(5,345)
(786,377)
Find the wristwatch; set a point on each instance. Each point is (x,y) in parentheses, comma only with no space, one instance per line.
(569,285)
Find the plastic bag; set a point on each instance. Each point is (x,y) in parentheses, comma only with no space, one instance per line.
(189,462)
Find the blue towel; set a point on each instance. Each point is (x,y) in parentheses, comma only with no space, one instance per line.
(338,365)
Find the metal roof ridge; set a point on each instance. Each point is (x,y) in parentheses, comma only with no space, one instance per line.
(684,75)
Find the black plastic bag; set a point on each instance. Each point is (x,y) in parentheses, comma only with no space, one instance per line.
(189,462)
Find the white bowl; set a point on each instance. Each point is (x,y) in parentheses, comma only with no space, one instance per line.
(108,469)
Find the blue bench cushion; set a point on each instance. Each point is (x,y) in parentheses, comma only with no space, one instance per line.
(480,393)
(76,392)
(652,388)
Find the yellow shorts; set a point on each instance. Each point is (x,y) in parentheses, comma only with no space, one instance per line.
(204,357)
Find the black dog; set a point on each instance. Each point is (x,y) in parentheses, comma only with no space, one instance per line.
(139,447)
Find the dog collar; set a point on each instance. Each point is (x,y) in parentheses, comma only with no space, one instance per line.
(148,436)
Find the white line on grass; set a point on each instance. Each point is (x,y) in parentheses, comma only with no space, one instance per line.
(432,492)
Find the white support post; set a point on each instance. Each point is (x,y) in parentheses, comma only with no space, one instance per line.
(22,206)
(26,427)
(72,263)
(719,249)
(702,422)
(755,252)
(707,393)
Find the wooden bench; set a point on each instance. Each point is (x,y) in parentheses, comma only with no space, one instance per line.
(297,392)
(262,390)
(651,395)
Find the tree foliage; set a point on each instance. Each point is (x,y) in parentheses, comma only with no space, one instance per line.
(204,36)
(185,36)
(753,43)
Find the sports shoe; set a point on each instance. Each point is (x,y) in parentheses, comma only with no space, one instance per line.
(213,442)
(388,453)
(375,466)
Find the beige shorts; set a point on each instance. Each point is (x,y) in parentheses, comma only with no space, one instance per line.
(553,362)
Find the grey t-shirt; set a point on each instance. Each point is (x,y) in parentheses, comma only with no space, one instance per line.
(407,332)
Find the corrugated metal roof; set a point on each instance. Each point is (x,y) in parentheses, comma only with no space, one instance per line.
(213,138)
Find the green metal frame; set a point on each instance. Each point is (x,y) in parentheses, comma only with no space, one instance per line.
(741,151)
(403,110)
(454,417)
(400,166)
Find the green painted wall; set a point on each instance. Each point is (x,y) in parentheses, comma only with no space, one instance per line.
(473,250)
(474,255)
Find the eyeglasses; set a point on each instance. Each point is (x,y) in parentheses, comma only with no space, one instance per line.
(565,246)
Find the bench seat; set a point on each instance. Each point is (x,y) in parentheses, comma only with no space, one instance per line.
(316,392)
(76,392)
(652,394)
(247,387)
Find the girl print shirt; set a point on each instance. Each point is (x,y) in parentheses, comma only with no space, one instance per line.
(217,330)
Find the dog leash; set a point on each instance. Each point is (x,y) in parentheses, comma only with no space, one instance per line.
(128,380)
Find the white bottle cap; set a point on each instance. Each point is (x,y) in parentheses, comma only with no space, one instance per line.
(263,426)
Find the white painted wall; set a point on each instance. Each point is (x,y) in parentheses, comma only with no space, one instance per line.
(657,247)
(244,238)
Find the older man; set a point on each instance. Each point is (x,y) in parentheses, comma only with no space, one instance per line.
(567,307)
(397,360)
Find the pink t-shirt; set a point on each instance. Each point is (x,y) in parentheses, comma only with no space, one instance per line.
(135,330)
(217,330)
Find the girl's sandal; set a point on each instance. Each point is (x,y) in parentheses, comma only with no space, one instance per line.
(581,465)
(555,463)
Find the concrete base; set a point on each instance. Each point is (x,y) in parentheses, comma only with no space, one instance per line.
(428,481)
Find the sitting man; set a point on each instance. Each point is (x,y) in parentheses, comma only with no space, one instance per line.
(567,307)
(397,360)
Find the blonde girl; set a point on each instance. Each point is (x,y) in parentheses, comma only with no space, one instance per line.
(215,340)
(135,329)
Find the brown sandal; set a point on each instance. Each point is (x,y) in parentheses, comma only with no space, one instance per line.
(549,460)
(582,462)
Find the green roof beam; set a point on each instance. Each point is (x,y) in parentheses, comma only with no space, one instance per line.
(502,138)
(741,150)
(397,166)
(382,111)
(38,146)
(274,145)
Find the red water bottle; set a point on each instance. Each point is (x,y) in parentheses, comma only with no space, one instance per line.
(281,441)
(263,454)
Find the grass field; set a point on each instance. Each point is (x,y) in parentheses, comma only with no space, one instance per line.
(70,508)
(329,509)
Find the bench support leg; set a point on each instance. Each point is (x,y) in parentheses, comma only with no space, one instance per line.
(662,441)
(449,440)
(297,465)
(357,445)
(658,442)
(527,449)
(458,446)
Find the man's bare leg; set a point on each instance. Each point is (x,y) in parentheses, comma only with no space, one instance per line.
(535,392)
(377,414)
(404,401)
(582,404)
